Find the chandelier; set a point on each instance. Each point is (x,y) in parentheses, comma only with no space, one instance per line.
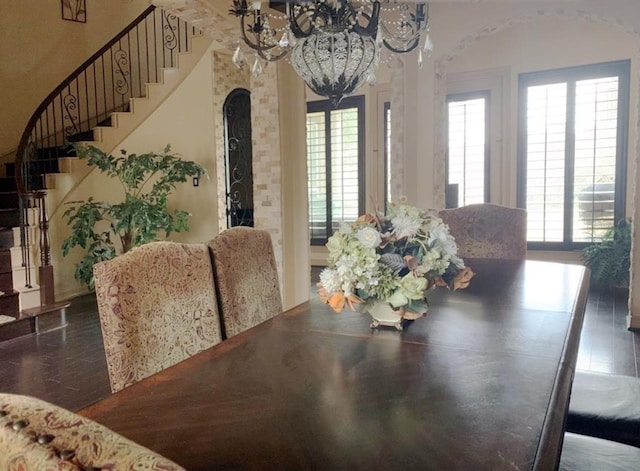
(334,45)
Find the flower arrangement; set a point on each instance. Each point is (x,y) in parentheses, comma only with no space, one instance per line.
(393,258)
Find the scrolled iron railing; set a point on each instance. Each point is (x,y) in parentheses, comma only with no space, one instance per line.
(102,85)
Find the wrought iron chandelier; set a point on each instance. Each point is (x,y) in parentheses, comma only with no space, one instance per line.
(334,45)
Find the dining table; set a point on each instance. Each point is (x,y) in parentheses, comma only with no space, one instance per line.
(481,382)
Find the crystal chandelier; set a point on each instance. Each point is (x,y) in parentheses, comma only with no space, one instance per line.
(334,45)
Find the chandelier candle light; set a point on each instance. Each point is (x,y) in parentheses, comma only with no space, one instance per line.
(334,45)
(385,264)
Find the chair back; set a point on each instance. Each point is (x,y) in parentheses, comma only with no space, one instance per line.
(246,278)
(38,436)
(488,231)
(157,307)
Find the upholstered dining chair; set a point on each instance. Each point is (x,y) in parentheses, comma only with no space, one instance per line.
(246,277)
(38,436)
(585,453)
(157,307)
(605,406)
(488,231)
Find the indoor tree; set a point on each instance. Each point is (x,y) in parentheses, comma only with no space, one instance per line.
(103,229)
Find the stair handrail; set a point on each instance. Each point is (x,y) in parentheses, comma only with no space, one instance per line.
(24,140)
(31,191)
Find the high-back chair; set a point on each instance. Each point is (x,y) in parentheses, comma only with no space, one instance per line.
(157,307)
(488,231)
(246,278)
(38,436)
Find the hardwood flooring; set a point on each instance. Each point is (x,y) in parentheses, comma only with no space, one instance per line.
(67,366)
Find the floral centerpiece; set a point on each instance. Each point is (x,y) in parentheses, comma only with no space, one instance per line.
(392,259)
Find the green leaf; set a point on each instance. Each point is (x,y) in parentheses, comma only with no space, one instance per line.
(147,181)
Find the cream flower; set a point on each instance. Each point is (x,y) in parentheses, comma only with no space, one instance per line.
(411,287)
(417,241)
(369,237)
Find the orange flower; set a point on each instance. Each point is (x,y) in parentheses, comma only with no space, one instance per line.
(323,294)
(338,300)
(411,261)
(462,278)
(368,218)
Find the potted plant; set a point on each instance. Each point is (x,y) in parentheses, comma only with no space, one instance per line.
(104,229)
(609,259)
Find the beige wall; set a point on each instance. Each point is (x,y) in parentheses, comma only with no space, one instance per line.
(469,38)
(525,48)
(518,38)
(186,121)
(38,50)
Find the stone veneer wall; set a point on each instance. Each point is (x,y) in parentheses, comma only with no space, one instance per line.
(267,172)
(226,78)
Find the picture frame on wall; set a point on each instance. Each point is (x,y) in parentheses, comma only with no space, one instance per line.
(74,10)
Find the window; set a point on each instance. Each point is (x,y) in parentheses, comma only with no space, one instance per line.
(335,161)
(467,149)
(572,156)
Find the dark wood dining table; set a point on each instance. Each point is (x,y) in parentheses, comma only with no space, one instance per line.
(480,383)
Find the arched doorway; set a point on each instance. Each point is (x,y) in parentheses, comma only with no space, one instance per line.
(238,158)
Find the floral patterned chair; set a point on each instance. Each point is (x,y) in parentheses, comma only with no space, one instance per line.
(246,278)
(488,231)
(39,436)
(157,307)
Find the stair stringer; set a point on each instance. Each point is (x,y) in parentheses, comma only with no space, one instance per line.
(73,171)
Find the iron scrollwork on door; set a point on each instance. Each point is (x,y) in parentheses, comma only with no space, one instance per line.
(238,158)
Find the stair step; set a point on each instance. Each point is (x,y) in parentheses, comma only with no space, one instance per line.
(9,217)
(28,298)
(20,278)
(6,241)
(4,319)
(45,154)
(49,317)
(6,282)
(9,199)
(17,328)
(10,169)
(37,320)
(9,303)
(8,184)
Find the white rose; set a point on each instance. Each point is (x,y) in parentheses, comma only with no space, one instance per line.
(369,237)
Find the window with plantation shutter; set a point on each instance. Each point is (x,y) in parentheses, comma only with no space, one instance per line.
(573,153)
(335,152)
(467,150)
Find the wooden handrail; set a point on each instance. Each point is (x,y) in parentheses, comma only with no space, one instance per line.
(56,91)
(86,98)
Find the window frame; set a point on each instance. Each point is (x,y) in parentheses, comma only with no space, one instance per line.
(572,75)
(464,96)
(386,131)
(327,107)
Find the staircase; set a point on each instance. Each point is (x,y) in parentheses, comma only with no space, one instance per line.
(46,154)
(20,310)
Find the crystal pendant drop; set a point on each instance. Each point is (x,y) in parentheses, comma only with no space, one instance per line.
(256,70)
(238,58)
(428,45)
(284,40)
(420,61)
(372,79)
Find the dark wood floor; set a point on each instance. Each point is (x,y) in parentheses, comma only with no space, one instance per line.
(67,366)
